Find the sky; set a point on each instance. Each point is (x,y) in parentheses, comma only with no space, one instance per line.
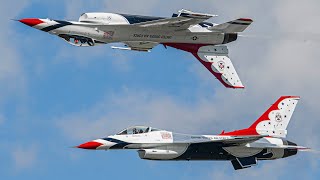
(54,96)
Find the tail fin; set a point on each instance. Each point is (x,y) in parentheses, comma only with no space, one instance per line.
(274,121)
(235,26)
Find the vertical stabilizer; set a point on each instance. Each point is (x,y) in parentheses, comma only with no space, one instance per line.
(274,121)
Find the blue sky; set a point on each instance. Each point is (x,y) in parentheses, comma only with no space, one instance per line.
(54,96)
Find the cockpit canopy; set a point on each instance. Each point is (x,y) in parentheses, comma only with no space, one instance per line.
(103,18)
(137,130)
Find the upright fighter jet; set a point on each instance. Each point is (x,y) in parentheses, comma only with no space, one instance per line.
(185,30)
(263,140)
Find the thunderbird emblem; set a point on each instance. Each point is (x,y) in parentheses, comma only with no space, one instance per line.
(221,65)
(278,117)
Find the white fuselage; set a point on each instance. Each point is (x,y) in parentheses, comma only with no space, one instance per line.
(127,34)
(165,145)
(112,27)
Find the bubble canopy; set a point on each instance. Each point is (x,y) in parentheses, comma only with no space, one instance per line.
(137,130)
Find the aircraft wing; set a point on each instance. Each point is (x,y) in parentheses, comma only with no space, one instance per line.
(227,140)
(300,148)
(238,140)
(183,21)
(238,25)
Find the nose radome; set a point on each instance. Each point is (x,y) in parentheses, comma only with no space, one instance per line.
(31,21)
(90,145)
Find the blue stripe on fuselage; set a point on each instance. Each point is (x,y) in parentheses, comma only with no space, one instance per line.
(119,144)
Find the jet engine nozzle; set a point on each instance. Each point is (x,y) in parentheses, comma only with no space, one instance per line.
(289,152)
(229,37)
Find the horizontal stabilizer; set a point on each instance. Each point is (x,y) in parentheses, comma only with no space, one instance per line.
(235,26)
(274,146)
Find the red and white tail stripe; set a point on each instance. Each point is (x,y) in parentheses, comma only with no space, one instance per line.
(274,121)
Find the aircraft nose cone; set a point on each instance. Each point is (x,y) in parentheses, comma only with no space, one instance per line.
(90,145)
(31,21)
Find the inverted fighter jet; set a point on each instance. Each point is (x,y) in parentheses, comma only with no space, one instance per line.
(185,30)
(263,140)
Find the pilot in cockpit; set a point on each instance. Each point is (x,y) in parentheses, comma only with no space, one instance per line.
(134,131)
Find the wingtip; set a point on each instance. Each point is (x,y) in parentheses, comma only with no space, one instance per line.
(295,97)
(245,19)
(238,87)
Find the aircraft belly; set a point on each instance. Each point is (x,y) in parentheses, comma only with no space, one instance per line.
(172,38)
(209,151)
(164,152)
(242,151)
(205,151)
(122,34)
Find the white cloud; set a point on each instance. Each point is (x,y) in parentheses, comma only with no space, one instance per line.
(142,107)
(12,78)
(24,157)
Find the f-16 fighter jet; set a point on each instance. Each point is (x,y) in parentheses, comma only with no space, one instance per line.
(263,140)
(185,30)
